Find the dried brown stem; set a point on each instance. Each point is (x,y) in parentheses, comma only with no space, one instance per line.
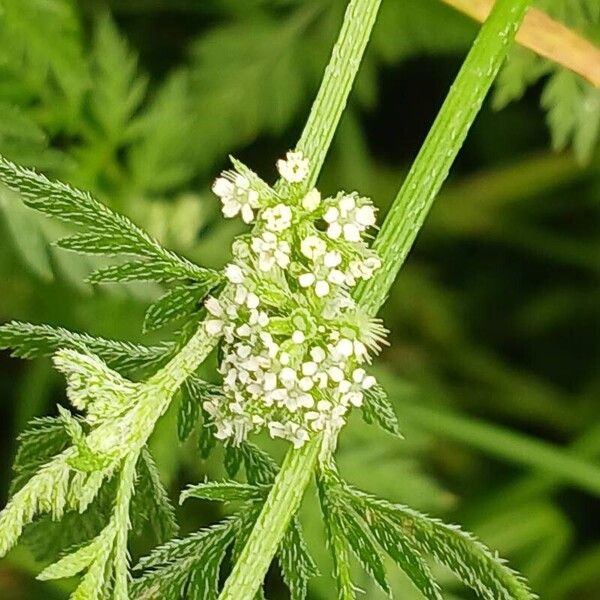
(546,37)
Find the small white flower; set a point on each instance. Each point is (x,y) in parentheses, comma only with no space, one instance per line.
(306,280)
(351,232)
(332,259)
(318,354)
(347,204)
(348,219)
(368,382)
(252,300)
(336,277)
(240,295)
(234,273)
(358,375)
(278,218)
(298,337)
(365,216)
(336,374)
(213,306)
(271,251)
(312,200)
(345,348)
(309,368)
(270,381)
(331,215)
(298,435)
(276,429)
(313,247)
(236,195)
(306,384)
(287,376)
(354,398)
(321,289)
(303,389)
(213,326)
(294,168)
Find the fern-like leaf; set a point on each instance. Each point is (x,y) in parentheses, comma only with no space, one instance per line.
(470,560)
(225,491)
(151,503)
(336,541)
(29,341)
(177,303)
(377,408)
(107,232)
(187,567)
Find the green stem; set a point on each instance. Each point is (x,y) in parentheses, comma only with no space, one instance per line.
(440,148)
(339,76)
(122,524)
(396,237)
(185,362)
(281,505)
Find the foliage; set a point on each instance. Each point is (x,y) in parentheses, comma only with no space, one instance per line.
(141,135)
(572,105)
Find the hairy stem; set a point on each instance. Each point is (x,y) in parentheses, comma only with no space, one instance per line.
(122,524)
(185,362)
(339,76)
(440,148)
(281,505)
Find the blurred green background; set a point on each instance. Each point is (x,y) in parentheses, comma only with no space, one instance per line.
(495,354)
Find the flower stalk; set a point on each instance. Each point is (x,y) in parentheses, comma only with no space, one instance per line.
(397,234)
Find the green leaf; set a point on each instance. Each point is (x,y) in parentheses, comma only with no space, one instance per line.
(572,104)
(237,61)
(193,393)
(98,243)
(187,567)
(161,156)
(177,303)
(206,439)
(97,580)
(27,340)
(151,503)
(362,545)
(189,411)
(73,206)
(470,560)
(260,468)
(72,563)
(45,36)
(233,460)
(405,555)
(26,234)
(297,565)
(573,108)
(225,491)
(358,537)
(336,541)
(377,408)
(118,89)
(44,438)
(398,547)
(48,539)
(163,271)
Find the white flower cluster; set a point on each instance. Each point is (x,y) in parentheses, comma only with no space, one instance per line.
(295,342)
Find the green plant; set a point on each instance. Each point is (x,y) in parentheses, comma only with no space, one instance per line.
(107,446)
